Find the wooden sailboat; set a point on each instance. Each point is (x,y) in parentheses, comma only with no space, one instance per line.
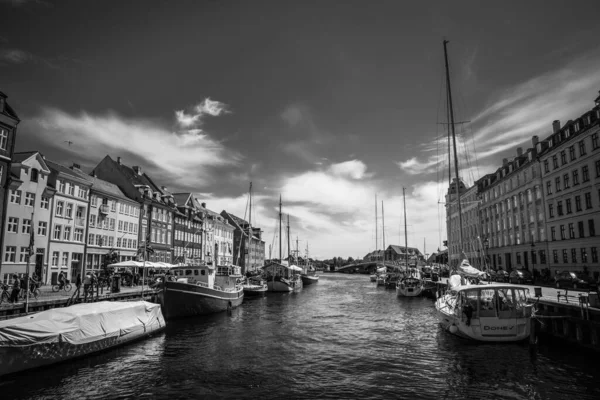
(309,273)
(373,276)
(489,313)
(253,285)
(411,284)
(282,276)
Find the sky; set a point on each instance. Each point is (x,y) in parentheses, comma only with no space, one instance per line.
(324,103)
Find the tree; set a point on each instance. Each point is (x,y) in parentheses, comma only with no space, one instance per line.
(112,257)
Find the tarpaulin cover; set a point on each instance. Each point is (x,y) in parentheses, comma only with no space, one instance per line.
(465,269)
(454,282)
(81,323)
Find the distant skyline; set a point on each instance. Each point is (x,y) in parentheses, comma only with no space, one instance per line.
(324,102)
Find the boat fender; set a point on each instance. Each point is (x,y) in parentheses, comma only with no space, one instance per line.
(453,328)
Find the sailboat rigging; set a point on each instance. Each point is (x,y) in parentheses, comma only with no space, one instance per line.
(411,284)
(492,313)
(253,285)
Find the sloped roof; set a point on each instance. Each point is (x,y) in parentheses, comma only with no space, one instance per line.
(133,177)
(239,221)
(101,185)
(55,167)
(400,249)
(181,198)
(22,156)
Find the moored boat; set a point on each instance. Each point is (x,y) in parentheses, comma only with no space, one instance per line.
(254,286)
(61,334)
(411,285)
(282,277)
(200,290)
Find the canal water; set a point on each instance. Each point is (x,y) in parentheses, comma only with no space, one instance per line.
(341,338)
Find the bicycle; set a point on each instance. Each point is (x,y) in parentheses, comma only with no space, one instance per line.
(66,287)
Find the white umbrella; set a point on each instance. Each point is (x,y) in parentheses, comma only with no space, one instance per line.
(129,263)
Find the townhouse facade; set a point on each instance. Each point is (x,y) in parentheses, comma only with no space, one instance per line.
(571,179)
(223,239)
(248,249)
(157,206)
(28,212)
(467,242)
(8,132)
(68,222)
(187,240)
(400,253)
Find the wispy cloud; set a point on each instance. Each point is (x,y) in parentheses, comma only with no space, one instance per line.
(187,155)
(23,3)
(15,56)
(194,118)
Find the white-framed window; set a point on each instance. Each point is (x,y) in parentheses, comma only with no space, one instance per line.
(15,196)
(55,255)
(3,139)
(99,240)
(13,225)
(67,233)
(61,186)
(112,224)
(92,220)
(45,204)
(78,235)
(26,227)
(135,228)
(136,212)
(57,232)
(111,241)
(120,226)
(121,208)
(65,259)
(134,244)
(80,212)
(113,206)
(42,228)
(10,254)
(81,192)
(94,201)
(23,254)
(71,189)
(60,205)
(30,199)
(69,210)
(91,239)
(118,242)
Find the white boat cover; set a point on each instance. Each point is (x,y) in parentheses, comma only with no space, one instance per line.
(465,269)
(81,323)
(295,268)
(454,282)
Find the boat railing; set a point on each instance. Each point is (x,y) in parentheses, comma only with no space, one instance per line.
(203,284)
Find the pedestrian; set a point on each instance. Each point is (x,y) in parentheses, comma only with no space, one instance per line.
(14,296)
(87,283)
(61,280)
(78,281)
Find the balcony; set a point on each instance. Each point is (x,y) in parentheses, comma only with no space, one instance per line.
(79,221)
(104,209)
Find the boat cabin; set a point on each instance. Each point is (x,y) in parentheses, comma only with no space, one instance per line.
(203,275)
(281,270)
(493,301)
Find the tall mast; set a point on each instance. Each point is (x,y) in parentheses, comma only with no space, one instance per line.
(376,233)
(280,251)
(448,87)
(297,250)
(405,234)
(249,228)
(289,248)
(383,223)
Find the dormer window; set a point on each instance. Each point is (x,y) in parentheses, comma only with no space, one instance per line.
(34,175)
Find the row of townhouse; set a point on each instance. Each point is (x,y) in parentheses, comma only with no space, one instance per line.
(60,219)
(539,210)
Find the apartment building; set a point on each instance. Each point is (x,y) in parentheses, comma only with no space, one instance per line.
(187,240)
(248,250)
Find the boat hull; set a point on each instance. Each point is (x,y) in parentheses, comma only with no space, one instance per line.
(309,279)
(409,291)
(254,290)
(373,278)
(14,359)
(179,299)
(481,329)
(284,285)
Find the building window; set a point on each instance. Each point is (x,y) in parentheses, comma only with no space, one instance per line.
(69,210)
(557,183)
(553,233)
(42,228)
(57,232)
(546,166)
(118,242)
(3,139)
(65,259)
(563,157)
(45,203)
(568,204)
(10,254)
(562,232)
(575,177)
(13,225)
(580,229)
(555,256)
(591,227)
(112,224)
(594,254)
(595,144)
(99,240)
(559,208)
(55,256)
(113,206)
(59,208)
(15,196)
(61,187)
(574,256)
(91,239)
(585,173)
(565,256)
(555,161)
(571,231)
(551,210)
(26,227)
(548,188)
(94,201)
(34,175)
(67,233)
(588,200)
(572,153)
(582,148)
(78,236)
(71,189)
(30,199)
(598,169)
(583,255)
(566,181)
(92,220)
(23,254)
(577,203)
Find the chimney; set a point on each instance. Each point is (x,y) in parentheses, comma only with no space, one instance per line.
(137,170)
(534,140)
(94,174)
(203,205)
(555,126)
(119,160)
(519,151)
(76,166)
(504,162)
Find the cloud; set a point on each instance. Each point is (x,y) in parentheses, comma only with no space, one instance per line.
(15,56)
(188,155)
(413,166)
(354,169)
(21,3)
(194,118)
